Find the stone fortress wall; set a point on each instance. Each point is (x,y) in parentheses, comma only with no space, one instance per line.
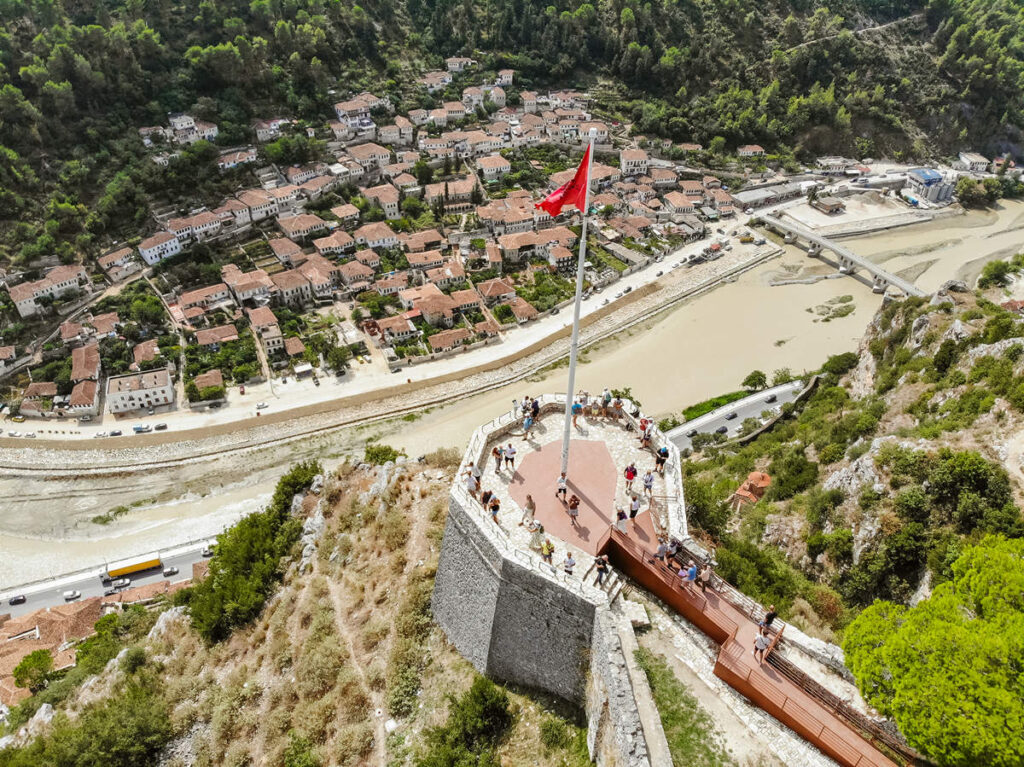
(518,619)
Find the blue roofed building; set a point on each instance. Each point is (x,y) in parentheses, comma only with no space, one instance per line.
(928,184)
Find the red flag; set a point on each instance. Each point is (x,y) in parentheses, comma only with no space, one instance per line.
(572,193)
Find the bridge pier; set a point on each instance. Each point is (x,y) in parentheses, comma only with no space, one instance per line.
(849,262)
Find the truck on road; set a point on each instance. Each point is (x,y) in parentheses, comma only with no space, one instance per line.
(133,565)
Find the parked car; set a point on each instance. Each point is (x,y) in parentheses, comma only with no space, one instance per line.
(18,418)
(17,600)
(207,551)
(659,273)
(14,434)
(770,398)
(721,430)
(142,429)
(84,419)
(99,434)
(261,405)
(121,583)
(115,433)
(169,571)
(71,596)
(109,592)
(316,381)
(619,294)
(730,416)
(691,433)
(160,427)
(30,435)
(627,289)
(151,411)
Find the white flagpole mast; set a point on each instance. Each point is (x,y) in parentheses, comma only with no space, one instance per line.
(575,343)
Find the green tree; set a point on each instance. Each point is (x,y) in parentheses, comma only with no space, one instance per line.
(338,357)
(970,193)
(947,670)
(477,722)
(34,671)
(782,376)
(423,172)
(755,380)
(996,273)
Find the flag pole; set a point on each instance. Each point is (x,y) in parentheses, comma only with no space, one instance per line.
(575,343)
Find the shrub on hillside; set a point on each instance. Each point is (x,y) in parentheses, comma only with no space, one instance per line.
(246,562)
(477,723)
(381,454)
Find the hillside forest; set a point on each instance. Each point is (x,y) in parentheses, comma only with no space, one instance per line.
(867,77)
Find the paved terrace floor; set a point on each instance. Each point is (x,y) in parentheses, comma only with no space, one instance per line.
(600,449)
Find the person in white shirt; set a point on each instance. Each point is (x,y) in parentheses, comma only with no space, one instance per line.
(569,563)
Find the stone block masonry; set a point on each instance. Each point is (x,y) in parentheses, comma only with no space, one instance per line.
(511,622)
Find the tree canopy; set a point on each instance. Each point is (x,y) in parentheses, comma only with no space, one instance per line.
(948,670)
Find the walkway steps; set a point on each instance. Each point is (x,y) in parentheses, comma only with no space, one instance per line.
(762,683)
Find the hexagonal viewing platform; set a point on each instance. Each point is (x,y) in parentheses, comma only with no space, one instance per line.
(520,619)
(523,620)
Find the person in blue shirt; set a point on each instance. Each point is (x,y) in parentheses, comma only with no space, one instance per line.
(577,409)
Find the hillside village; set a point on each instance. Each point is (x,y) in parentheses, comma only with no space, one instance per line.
(415,234)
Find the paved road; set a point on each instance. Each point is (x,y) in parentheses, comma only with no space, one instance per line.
(748,407)
(50,593)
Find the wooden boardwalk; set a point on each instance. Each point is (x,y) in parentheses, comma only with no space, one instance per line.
(735,632)
(595,475)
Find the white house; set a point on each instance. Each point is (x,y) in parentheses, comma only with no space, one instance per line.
(138,391)
(633,162)
(459,63)
(376,235)
(158,247)
(57,281)
(974,162)
(260,203)
(494,167)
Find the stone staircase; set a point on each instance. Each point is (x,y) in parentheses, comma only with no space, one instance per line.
(613,583)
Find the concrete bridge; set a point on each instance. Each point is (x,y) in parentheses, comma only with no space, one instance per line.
(849,261)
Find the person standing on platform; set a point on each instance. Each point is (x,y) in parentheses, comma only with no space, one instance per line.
(574,509)
(601,565)
(660,457)
(547,550)
(528,511)
(620,521)
(649,484)
(510,457)
(704,579)
(498,453)
(634,507)
(569,563)
(630,474)
(761,643)
(563,488)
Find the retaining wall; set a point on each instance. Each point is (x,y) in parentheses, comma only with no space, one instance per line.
(509,620)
